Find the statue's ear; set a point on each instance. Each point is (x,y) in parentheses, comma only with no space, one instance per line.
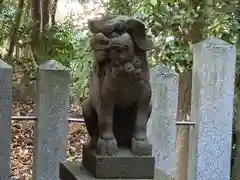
(137,30)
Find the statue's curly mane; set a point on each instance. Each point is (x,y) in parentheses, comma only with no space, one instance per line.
(133,27)
(99,68)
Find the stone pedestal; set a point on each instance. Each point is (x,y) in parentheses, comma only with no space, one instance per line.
(124,165)
(76,171)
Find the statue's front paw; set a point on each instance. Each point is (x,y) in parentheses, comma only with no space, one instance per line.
(141,147)
(107,147)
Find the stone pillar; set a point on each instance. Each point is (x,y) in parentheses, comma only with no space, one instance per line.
(161,128)
(51,130)
(5,118)
(212,110)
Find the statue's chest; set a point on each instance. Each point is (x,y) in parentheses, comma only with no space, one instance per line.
(127,91)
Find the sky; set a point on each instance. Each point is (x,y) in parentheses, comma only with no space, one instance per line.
(90,10)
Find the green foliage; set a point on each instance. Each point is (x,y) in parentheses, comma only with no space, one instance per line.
(7,13)
(174,25)
(80,66)
(70,46)
(63,42)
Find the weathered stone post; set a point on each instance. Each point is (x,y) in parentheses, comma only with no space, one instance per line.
(52,125)
(5,119)
(161,129)
(212,110)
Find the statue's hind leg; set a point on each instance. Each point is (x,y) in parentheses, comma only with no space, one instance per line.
(91,122)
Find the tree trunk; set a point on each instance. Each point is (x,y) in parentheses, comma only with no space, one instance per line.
(235,173)
(235,169)
(182,141)
(29,12)
(53,12)
(13,37)
(182,152)
(45,14)
(36,31)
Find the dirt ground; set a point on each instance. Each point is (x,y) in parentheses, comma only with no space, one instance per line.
(22,141)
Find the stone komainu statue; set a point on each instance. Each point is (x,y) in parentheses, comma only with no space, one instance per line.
(118,106)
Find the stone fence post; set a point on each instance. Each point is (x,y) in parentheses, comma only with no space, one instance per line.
(212,110)
(161,128)
(51,129)
(5,119)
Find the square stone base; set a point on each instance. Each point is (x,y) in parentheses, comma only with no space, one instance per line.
(76,171)
(125,165)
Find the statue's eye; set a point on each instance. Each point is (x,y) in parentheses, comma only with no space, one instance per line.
(125,48)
